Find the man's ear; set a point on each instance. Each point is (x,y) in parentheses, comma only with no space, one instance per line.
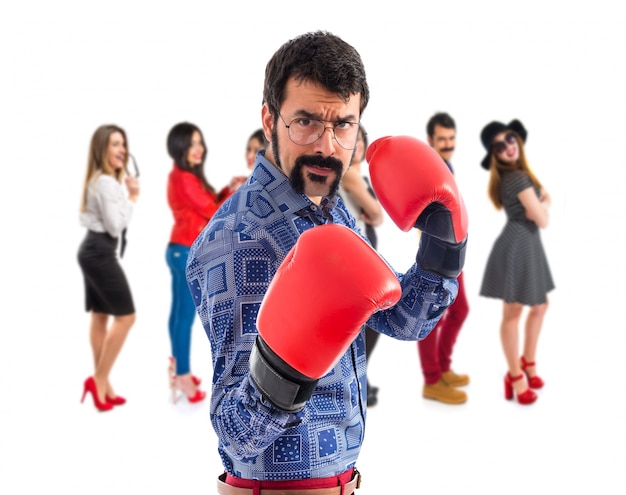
(268,122)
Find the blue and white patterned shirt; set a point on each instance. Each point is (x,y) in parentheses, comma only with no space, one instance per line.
(228,270)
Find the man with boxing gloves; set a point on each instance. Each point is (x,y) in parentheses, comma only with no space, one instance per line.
(284,281)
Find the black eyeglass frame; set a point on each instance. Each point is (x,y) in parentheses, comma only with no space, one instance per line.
(319,136)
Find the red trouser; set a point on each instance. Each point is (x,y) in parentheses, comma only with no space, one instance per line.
(436,350)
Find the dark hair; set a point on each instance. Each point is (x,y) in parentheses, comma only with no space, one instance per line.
(319,57)
(442,119)
(178,144)
(259,135)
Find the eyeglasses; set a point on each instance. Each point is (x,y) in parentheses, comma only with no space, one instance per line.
(304,131)
(501,146)
(135,168)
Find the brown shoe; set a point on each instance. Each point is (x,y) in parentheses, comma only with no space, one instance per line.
(443,392)
(455,380)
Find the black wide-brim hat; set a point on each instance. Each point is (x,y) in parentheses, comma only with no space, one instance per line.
(492,129)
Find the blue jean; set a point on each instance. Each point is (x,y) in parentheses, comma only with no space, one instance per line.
(183,309)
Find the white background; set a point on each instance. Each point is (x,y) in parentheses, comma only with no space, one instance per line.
(69,66)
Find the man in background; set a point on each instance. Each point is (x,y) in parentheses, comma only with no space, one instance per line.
(435,351)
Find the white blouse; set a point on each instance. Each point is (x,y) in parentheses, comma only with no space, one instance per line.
(108,207)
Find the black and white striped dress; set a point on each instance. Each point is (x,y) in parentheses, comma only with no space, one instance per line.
(517,268)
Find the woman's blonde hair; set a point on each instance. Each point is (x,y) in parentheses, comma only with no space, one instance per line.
(497,168)
(97,162)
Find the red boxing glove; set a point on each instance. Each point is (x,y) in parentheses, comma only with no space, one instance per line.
(324,291)
(416,187)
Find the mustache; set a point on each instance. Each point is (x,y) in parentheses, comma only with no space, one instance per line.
(446,150)
(320,161)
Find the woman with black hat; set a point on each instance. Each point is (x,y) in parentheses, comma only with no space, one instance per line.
(517,269)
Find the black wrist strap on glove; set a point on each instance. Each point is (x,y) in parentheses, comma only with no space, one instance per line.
(442,258)
(282,385)
(437,220)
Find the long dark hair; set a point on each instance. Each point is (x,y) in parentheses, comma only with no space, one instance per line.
(178,144)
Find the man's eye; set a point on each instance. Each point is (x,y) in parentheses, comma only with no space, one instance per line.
(305,122)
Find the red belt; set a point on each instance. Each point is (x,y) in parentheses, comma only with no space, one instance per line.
(274,488)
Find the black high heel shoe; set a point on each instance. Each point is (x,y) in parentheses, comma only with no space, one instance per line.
(372,395)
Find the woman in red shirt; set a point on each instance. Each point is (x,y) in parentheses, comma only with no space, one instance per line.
(193,202)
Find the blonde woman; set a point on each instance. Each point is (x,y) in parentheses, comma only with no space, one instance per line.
(517,269)
(106,210)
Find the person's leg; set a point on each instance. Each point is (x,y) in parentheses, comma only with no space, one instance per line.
(435,387)
(509,335)
(534,323)
(183,310)
(111,346)
(170,258)
(429,355)
(97,334)
(449,329)
(371,338)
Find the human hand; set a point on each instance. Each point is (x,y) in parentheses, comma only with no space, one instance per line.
(236,182)
(298,343)
(132,185)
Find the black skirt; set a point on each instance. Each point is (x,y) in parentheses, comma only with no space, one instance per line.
(106,288)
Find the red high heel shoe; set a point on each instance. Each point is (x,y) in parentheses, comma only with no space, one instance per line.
(196,381)
(525,398)
(198,396)
(118,400)
(533,381)
(90,386)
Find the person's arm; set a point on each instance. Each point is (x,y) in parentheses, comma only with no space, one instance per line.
(354,184)
(417,189)
(536,209)
(545,198)
(115,208)
(300,342)
(132,186)
(203,202)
